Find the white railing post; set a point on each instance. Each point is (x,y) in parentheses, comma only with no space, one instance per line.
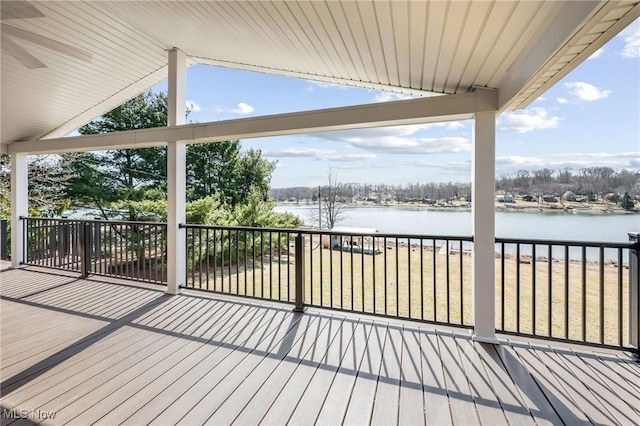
(176,175)
(483,210)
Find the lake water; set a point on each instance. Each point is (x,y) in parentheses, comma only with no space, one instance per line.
(552,226)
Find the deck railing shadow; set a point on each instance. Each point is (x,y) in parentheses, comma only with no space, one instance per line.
(195,312)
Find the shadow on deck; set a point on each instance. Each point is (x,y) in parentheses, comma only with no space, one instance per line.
(110,352)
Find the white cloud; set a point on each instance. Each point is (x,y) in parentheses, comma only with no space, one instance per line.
(397,145)
(585,91)
(575,160)
(390,96)
(316,153)
(398,131)
(562,100)
(630,154)
(448,167)
(527,121)
(193,106)
(242,109)
(631,38)
(402,139)
(596,54)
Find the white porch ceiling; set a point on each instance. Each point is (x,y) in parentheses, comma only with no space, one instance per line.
(65,63)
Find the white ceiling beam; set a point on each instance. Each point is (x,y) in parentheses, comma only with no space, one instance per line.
(411,111)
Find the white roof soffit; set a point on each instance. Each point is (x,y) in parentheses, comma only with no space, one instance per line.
(64,63)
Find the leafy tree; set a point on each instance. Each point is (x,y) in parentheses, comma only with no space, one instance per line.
(91,184)
(220,167)
(123,174)
(132,180)
(627,202)
(211,168)
(253,175)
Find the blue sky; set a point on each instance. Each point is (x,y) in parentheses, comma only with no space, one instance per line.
(590,118)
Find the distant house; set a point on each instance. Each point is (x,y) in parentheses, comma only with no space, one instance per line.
(569,196)
(549,199)
(504,198)
(528,198)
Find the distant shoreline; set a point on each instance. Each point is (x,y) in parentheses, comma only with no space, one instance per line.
(603,210)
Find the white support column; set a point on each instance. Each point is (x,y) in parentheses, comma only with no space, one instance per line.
(19,205)
(483,211)
(176,175)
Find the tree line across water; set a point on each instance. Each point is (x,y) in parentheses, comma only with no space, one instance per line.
(593,184)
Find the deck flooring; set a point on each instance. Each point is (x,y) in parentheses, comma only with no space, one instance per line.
(97,351)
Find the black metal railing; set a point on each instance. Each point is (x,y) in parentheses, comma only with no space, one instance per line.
(579,292)
(52,243)
(252,262)
(4,239)
(416,277)
(130,250)
(567,291)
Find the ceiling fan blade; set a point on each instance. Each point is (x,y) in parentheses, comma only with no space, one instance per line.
(21,55)
(18,10)
(46,42)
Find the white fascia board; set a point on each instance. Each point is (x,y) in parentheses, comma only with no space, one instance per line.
(571,16)
(315,78)
(412,111)
(154,77)
(615,29)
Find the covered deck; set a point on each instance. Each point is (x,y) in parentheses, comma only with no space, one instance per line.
(127,353)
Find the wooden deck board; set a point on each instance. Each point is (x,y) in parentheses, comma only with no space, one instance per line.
(576,389)
(312,378)
(273,396)
(361,402)
(336,400)
(511,401)
(129,384)
(463,409)
(244,378)
(411,407)
(97,352)
(162,387)
(603,393)
(436,400)
(552,387)
(533,397)
(484,396)
(177,394)
(385,408)
(629,394)
(100,357)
